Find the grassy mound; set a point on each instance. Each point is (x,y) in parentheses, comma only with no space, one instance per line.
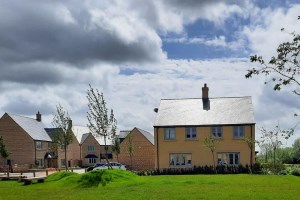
(97,177)
(59,175)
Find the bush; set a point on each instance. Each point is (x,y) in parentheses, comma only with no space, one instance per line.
(96,177)
(270,168)
(296,172)
(59,175)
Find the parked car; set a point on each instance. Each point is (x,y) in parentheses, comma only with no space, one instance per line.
(96,165)
(114,165)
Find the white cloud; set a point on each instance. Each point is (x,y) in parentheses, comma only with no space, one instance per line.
(264,34)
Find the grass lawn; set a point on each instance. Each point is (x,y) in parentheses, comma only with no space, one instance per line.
(125,185)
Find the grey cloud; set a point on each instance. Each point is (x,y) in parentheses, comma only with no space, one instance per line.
(33,31)
(32,73)
(23,106)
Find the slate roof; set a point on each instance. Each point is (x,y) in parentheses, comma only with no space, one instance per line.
(34,128)
(223,111)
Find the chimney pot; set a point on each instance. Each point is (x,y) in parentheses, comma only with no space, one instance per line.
(39,117)
(205,91)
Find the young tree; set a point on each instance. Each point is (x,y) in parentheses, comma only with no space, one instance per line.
(116,147)
(99,122)
(275,138)
(130,149)
(3,150)
(63,132)
(251,144)
(210,143)
(284,68)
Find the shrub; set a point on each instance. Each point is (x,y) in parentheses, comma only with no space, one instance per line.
(296,172)
(270,168)
(59,175)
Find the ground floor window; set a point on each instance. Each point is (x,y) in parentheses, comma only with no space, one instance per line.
(180,160)
(92,160)
(229,158)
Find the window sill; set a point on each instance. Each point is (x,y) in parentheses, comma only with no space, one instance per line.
(241,138)
(195,139)
(170,140)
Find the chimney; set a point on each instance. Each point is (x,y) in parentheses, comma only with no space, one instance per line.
(205,99)
(205,92)
(39,117)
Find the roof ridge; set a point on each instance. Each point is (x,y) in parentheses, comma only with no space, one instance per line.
(10,114)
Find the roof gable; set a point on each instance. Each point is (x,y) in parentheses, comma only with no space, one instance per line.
(222,111)
(34,128)
(147,135)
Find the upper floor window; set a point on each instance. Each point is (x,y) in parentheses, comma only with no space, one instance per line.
(91,148)
(190,132)
(216,132)
(170,134)
(38,145)
(238,132)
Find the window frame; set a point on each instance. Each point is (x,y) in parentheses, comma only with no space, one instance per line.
(190,134)
(226,158)
(91,148)
(240,129)
(217,128)
(168,133)
(39,145)
(180,160)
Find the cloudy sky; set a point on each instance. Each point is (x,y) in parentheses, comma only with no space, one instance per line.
(138,52)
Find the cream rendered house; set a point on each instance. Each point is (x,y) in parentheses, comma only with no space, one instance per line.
(181,125)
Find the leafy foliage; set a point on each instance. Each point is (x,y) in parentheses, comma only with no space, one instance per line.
(3,150)
(284,67)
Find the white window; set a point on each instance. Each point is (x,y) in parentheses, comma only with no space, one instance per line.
(170,134)
(216,132)
(91,148)
(180,160)
(190,132)
(92,160)
(228,158)
(38,145)
(238,132)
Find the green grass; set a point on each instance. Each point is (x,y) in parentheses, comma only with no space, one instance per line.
(120,184)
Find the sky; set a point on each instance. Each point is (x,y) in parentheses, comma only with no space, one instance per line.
(138,52)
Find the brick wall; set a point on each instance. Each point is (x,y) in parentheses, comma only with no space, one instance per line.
(143,152)
(18,142)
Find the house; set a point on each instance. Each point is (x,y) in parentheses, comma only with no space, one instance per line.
(92,148)
(58,152)
(143,152)
(26,140)
(181,126)
(89,146)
